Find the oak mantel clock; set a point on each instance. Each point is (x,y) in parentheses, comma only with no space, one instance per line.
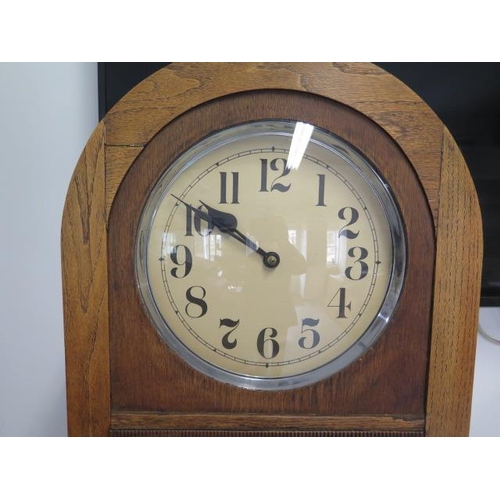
(271,249)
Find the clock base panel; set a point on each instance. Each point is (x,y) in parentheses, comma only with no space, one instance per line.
(224,424)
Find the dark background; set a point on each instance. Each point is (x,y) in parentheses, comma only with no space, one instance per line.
(466,97)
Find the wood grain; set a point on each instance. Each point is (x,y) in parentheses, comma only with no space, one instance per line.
(221,421)
(85,293)
(456,299)
(118,161)
(172,91)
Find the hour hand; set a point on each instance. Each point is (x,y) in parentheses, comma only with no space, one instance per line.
(223,220)
(227,223)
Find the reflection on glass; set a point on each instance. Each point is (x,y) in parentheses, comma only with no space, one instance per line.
(300,140)
(332,248)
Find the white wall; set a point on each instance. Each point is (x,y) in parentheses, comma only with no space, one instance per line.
(485,418)
(47,113)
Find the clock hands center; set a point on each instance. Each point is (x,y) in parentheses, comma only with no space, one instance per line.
(227,223)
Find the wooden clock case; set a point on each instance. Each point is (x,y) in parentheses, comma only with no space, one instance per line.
(416,380)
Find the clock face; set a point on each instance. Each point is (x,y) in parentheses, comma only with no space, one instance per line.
(270,255)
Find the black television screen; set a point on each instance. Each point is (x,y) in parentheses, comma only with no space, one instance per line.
(465,96)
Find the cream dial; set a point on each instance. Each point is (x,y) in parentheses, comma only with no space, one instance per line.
(270,255)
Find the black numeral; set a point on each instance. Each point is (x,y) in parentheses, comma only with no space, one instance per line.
(223,187)
(363,266)
(266,345)
(201,226)
(233,324)
(276,165)
(197,307)
(321,191)
(186,261)
(351,215)
(311,340)
(339,300)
